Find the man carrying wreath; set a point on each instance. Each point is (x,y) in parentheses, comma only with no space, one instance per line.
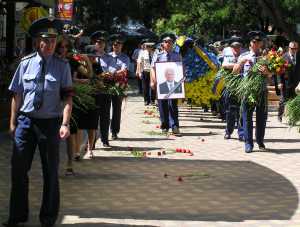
(244,65)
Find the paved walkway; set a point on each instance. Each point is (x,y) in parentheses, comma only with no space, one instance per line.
(217,184)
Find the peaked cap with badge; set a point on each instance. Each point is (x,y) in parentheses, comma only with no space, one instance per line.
(46,27)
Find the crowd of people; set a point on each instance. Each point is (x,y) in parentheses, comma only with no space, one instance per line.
(46,77)
(235,58)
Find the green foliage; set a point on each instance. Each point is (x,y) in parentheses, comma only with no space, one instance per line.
(293,111)
(208,20)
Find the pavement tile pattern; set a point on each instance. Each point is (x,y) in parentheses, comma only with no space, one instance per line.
(221,184)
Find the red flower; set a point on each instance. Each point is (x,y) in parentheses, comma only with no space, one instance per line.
(184,150)
(130,148)
(157,126)
(188,151)
(159,153)
(178,149)
(164,152)
(165,175)
(149,153)
(179,178)
(202,140)
(77,57)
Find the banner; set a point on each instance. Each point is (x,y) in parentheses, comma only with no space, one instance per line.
(65,9)
(31,14)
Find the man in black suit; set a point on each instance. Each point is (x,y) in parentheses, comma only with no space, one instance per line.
(167,86)
(290,80)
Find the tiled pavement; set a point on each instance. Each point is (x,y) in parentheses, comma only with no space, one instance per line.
(221,185)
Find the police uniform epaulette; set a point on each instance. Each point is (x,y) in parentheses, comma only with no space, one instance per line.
(29,56)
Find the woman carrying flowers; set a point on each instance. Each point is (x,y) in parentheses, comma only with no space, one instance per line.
(105,69)
(81,72)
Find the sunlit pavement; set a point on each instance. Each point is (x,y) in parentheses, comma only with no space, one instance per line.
(142,181)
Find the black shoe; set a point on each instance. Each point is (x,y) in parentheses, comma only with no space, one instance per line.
(12,224)
(164,130)
(280,118)
(146,103)
(106,144)
(114,136)
(262,147)
(176,132)
(227,136)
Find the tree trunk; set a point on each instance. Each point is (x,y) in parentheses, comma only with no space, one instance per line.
(273,9)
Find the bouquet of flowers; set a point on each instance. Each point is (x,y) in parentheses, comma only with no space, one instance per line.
(121,84)
(252,88)
(84,93)
(277,64)
(114,84)
(84,96)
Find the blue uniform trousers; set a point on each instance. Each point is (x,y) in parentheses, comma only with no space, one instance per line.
(116,114)
(233,116)
(29,134)
(103,101)
(168,112)
(261,119)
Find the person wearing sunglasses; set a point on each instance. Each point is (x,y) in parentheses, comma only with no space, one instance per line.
(289,81)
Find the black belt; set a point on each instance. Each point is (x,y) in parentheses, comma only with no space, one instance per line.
(41,119)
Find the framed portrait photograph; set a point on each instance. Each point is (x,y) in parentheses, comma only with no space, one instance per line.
(170,80)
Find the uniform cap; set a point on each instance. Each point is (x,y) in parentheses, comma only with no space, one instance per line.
(236,41)
(45,27)
(167,37)
(99,35)
(117,38)
(256,35)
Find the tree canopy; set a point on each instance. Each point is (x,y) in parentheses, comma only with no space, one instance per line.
(211,19)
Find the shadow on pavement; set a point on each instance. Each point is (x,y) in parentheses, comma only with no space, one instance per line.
(284,151)
(198,134)
(126,148)
(282,140)
(136,188)
(204,126)
(142,139)
(131,188)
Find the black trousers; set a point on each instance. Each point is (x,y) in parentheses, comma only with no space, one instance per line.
(116,113)
(168,112)
(103,101)
(149,93)
(29,134)
(285,95)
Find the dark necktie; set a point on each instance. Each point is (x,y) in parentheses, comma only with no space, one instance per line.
(293,59)
(168,56)
(38,97)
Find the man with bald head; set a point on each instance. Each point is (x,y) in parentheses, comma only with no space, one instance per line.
(166,87)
